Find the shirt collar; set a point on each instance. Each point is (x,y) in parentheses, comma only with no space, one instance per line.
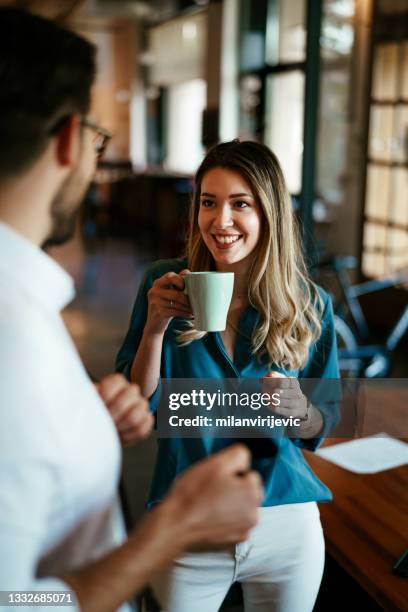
(33,271)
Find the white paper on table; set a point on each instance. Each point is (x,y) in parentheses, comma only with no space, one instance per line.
(367,455)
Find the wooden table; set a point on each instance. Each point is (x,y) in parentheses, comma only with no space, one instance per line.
(366,526)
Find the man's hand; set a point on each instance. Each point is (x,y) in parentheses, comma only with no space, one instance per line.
(213,504)
(127,407)
(218,499)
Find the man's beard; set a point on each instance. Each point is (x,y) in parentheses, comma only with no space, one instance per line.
(65,208)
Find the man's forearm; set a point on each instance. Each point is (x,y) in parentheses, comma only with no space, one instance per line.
(104,585)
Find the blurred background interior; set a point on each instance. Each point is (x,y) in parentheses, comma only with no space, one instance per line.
(324,83)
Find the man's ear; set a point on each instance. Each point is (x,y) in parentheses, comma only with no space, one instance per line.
(67,141)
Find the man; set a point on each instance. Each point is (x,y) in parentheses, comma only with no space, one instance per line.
(59,451)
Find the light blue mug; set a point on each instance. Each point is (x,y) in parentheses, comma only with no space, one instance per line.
(210,296)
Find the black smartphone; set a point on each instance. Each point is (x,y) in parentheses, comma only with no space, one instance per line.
(261,448)
(401,566)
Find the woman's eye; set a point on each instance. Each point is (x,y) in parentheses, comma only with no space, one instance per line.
(207,203)
(241,204)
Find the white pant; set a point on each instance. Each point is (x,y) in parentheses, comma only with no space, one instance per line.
(280,567)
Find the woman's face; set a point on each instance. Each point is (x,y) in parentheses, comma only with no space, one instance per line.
(229,217)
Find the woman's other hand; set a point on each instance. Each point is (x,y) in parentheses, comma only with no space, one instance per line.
(292,401)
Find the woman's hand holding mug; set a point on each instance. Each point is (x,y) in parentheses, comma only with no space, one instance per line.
(165,301)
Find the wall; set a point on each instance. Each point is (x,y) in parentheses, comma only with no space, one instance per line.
(112,94)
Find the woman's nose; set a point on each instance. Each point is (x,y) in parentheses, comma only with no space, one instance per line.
(223,216)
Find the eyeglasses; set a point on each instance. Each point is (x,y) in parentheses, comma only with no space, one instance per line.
(102,135)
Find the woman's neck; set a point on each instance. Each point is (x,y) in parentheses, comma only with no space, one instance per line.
(241,278)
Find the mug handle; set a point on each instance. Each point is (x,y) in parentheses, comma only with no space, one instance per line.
(185,286)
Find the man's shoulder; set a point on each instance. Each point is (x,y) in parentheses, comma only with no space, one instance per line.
(19,317)
(29,343)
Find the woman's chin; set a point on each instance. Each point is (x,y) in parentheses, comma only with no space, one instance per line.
(227,258)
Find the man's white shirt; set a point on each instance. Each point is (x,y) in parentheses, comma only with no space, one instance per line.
(59,451)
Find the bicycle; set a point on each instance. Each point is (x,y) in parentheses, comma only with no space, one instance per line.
(358,356)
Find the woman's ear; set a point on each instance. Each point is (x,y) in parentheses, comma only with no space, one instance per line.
(67,141)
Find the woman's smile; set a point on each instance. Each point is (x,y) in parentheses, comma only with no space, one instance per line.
(226,241)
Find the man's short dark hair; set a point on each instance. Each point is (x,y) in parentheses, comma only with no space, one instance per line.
(46,74)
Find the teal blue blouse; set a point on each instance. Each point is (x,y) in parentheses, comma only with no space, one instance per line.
(287,476)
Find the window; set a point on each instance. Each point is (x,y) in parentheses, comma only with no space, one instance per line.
(385,233)
(284,123)
(336,49)
(272,84)
(185,106)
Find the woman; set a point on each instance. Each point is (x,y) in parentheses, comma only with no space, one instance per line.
(279,324)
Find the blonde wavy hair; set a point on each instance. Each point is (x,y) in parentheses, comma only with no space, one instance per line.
(279,287)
